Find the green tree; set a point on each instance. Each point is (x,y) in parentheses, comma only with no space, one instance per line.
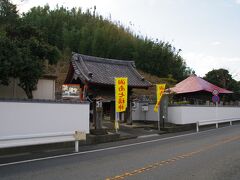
(23,50)
(222,78)
(38,32)
(33,51)
(8,50)
(8,57)
(8,13)
(91,34)
(219,77)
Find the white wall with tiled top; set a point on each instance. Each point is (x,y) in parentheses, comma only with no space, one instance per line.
(193,114)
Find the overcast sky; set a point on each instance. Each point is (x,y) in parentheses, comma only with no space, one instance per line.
(207,31)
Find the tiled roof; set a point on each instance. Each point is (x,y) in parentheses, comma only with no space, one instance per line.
(194,84)
(103,71)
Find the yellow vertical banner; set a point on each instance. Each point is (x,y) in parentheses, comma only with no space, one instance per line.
(121,93)
(160,90)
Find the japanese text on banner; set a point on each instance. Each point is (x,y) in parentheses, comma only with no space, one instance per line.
(121,93)
(160,91)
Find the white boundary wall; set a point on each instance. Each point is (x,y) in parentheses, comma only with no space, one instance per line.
(29,123)
(139,115)
(45,90)
(193,114)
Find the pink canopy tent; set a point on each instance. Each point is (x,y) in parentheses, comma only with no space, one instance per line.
(195,84)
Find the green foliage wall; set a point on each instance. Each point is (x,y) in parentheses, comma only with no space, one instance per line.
(23,49)
(222,78)
(28,40)
(91,34)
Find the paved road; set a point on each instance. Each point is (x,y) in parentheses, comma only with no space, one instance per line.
(210,155)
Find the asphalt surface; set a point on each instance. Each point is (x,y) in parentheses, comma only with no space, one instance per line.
(210,155)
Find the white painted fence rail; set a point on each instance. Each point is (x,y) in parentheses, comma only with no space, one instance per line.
(230,120)
(32,123)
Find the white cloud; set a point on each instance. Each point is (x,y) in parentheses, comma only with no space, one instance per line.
(216,43)
(237,1)
(202,63)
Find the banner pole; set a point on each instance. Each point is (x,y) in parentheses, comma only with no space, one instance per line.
(159,118)
(115,124)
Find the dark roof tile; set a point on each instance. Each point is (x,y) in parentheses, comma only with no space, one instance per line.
(103,71)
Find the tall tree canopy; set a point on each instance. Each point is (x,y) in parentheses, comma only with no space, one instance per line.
(91,34)
(27,41)
(23,50)
(8,12)
(222,78)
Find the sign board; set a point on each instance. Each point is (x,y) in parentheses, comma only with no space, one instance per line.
(160,90)
(121,93)
(134,106)
(79,135)
(145,108)
(70,90)
(215,92)
(99,104)
(215,99)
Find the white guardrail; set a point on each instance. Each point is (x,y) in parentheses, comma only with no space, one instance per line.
(209,122)
(38,139)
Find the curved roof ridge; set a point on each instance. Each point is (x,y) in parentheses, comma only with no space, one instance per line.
(99,70)
(132,65)
(105,60)
(82,63)
(210,87)
(195,84)
(77,68)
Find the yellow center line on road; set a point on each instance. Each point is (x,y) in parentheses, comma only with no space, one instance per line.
(174,159)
